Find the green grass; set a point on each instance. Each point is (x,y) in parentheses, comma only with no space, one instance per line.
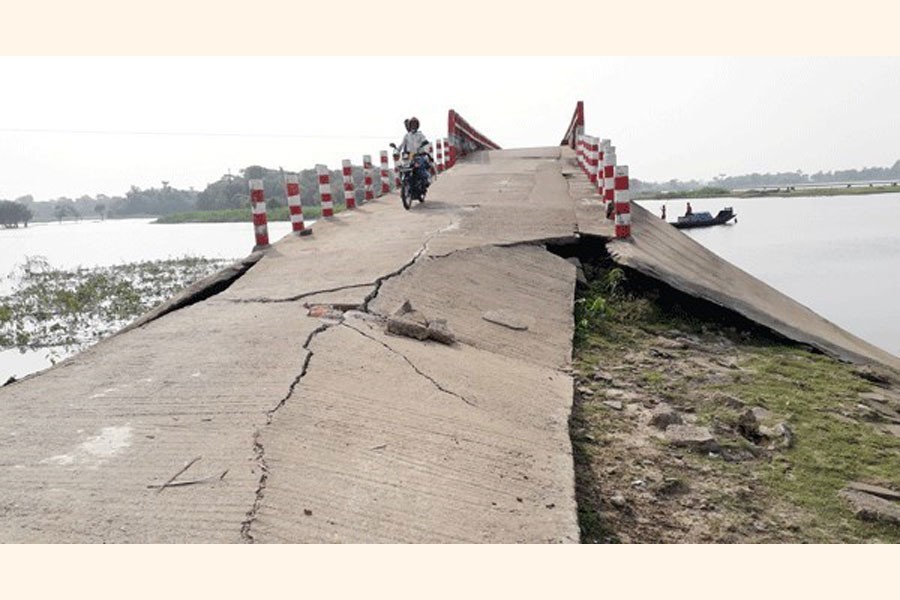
(802,388)
(241,215)
(711,192)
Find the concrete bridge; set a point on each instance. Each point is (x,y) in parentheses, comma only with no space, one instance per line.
(270,404)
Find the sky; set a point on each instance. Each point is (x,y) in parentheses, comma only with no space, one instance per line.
(71,126)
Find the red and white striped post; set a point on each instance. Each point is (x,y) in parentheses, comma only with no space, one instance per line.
(623,203)
(295,208)
(578,150)
(609,173)
(367,171)
(446,154)
(440,156)
(260,221)
(396,170)
(385,174)
(593,158)
(325,190)
(601,166)
(349,191)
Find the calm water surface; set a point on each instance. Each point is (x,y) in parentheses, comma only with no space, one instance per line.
(840,256)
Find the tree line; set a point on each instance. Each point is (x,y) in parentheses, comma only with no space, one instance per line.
(228,192)
(756,180)
(232,191)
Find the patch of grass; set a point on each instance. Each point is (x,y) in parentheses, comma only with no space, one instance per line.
(241,215)
(806,390)
(76,307)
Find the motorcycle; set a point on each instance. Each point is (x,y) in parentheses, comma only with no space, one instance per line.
(413,176)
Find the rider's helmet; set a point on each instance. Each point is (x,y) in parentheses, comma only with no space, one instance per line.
(406,124)
(413,124)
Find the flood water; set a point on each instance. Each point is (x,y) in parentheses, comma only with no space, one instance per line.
(838,255)
(93,243)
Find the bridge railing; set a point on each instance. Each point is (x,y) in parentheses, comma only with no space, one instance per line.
(597,159)
(576,127)
(463,138)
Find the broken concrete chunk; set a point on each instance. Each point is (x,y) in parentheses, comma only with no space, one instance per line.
(693,437)
(408,328)
(614,404)
(868,507)
(440,332)
(409,322)
(325,311)
(877,375)
(507,319)
(875,490)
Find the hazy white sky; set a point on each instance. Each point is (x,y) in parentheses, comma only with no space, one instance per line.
(72,126)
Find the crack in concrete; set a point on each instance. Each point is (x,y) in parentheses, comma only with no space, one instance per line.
(258,448)
(246,524)
(300,296)
(414,367)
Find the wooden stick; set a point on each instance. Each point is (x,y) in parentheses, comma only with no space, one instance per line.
(190,481)
(175,476)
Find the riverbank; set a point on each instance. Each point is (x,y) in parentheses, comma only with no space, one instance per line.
(693,425)
(241,215)
(787,191)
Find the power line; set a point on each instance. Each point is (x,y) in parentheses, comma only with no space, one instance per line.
(199,134)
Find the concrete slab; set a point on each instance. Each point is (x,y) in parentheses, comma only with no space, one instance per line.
(410,442)
(659,250)
(81,443)
(464,286)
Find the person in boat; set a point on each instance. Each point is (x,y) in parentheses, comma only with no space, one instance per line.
(689,210)
(663,212)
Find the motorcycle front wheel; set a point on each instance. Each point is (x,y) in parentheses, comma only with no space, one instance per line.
(405,195)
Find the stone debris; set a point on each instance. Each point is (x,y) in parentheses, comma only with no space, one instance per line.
(875,490)
(507,319)
(877,375)
(869,507)
(408,322)
(693,437)
(664,415)
(613,404)
(325,311)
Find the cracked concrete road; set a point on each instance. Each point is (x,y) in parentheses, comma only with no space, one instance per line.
(326,430)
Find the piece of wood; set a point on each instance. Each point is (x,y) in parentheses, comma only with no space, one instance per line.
(175,476)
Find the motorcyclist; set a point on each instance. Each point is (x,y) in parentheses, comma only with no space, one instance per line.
(417,145)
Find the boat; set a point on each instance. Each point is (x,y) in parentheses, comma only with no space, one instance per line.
(705,219)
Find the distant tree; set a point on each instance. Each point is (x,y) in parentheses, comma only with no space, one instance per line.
(100,209)
(13,213)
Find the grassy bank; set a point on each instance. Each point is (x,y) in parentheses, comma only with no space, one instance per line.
(241,215)
(783,192)
(785,429)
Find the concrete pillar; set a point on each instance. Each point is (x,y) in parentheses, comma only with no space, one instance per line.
(349,190)
(325,190)
(367,172)
(623,203)
(295,208)
(385,173)
(258,206)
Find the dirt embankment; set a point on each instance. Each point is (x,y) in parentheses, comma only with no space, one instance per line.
(693,425)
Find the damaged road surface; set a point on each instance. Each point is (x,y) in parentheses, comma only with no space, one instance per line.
(245,417)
